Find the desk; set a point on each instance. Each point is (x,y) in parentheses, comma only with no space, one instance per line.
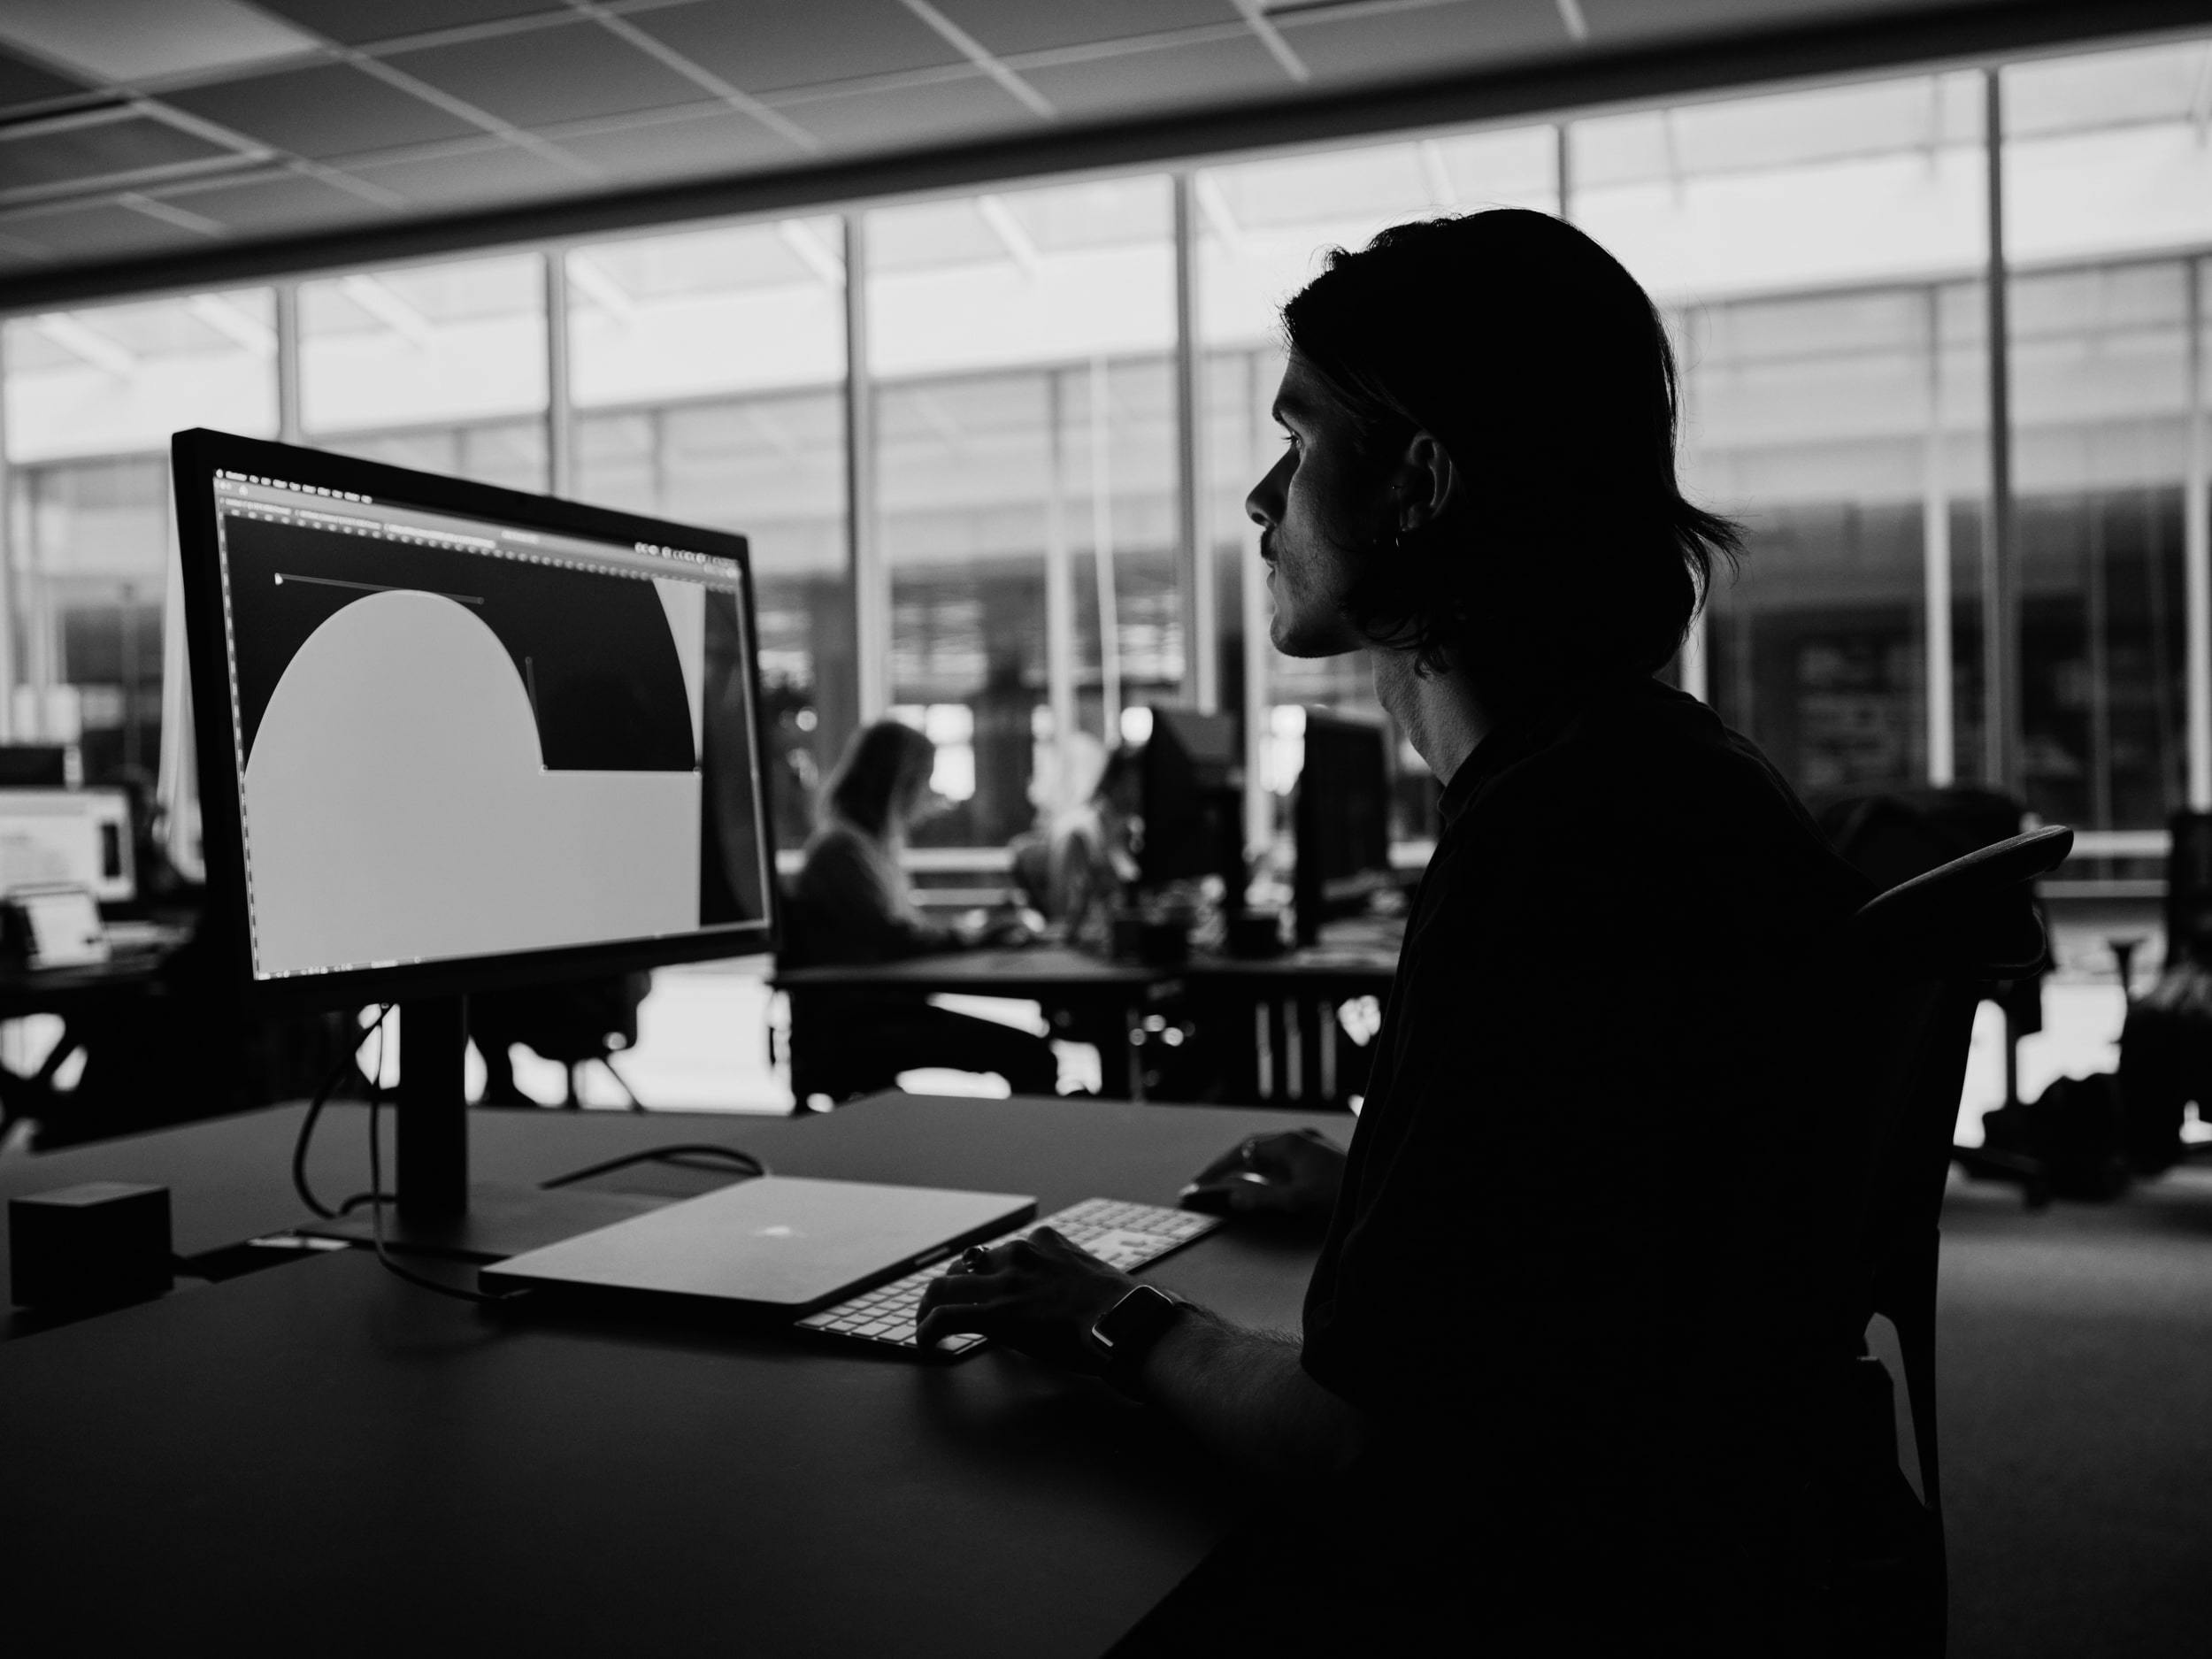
(317,1457)
(1282,1043)
(85,989)
(1112,995)
(1273,1018)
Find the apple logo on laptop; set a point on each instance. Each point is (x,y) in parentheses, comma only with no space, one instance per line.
(777,1232)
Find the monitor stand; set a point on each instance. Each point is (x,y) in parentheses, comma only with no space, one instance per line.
(438,1211)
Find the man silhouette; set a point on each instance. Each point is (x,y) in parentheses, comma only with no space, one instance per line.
(1553,1384)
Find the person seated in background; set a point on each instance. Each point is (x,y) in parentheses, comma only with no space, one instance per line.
(1565,1365)
(853,903)
(1078,864)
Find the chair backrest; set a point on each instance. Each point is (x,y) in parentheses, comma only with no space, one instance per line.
(1926,948)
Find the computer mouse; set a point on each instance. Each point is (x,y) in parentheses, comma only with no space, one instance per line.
(1212,1197)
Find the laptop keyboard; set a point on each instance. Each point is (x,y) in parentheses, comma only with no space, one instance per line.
(1119,1233)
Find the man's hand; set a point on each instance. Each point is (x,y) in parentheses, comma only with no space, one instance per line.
(1295,1176)
(1040,1294)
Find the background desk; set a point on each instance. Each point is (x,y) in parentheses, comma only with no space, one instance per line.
(318,1457)
(1111,996)
(1270,1022)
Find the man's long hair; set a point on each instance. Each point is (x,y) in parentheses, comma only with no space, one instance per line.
(1544,370)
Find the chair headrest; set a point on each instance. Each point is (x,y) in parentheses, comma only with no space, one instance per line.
(1975,915)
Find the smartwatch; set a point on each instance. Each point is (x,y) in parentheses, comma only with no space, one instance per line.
(1125,1333)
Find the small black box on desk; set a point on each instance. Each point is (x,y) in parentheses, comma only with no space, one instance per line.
(99,1245)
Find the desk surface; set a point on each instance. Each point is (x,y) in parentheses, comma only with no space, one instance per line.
(318,1455)
(1046,969)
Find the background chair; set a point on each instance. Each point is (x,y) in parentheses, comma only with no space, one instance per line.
(1927,951)
(573,1024)
(1892,837)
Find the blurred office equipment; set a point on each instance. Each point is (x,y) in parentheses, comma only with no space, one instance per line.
(457,739)
(1341,821)
(1192,779)
(76,837)
(34,765)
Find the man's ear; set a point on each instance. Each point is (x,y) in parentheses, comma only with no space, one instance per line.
(1429,483)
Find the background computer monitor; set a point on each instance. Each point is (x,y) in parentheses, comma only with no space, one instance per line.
(453,737)
(79,838)
(1191,777)
(34,765)
(1341,821)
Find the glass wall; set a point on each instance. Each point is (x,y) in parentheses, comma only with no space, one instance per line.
(1820,255)
(91,398)
(2105,170)
(442,367)
(1840,428)
(708,374)
(1021,349)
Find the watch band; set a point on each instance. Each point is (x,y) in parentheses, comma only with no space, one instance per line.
(1126,1333)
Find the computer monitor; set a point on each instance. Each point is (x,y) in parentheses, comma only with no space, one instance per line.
(78,838)
(1341,822)
(453,738)
(1191,777)
(34,765)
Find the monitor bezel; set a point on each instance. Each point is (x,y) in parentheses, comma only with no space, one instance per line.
(194,457)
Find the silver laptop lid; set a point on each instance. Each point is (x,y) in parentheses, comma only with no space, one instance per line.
(778,1242)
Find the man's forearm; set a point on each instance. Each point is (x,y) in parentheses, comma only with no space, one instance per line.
(1244,1393)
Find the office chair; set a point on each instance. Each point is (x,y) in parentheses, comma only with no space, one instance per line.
(573,1024)
(1892,838)
(1926,950)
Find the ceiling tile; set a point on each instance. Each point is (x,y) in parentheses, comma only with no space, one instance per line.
(333,109)
(475,176)
(270,204)
(715,141)
(358,24)
(28,83)
(576,72)
(1007,26)
(100,232)
(765,48)
(1426,39)
(1217,72)
(132,41)
(105,150)
(903,116)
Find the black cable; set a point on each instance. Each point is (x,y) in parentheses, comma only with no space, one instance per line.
(378,1198)
(636,1105)
(314,1112)
(731,1157)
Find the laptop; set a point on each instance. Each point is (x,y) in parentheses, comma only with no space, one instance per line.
(776,1247)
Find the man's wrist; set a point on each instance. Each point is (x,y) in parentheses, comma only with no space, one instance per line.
(1128,1332)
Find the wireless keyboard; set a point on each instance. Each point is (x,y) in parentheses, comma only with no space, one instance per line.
(1120,1234)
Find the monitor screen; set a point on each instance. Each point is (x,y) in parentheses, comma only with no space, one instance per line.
(79,838)
(463,725)
(1341,819)
(1193,781)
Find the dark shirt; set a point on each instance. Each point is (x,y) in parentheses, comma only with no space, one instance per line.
(1564,1278)
(851,904)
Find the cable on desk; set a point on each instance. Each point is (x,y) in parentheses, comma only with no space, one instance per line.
(636,1105)
(727,1157)
(377,1197)
(315,1111)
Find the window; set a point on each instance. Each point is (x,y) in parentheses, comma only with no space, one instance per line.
(1021,347)
(708,384)
(439,367)
(92,397)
